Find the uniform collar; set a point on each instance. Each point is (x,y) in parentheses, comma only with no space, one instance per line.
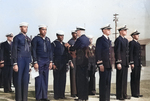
(105,36)
(59,41)
(42,37)
(8,42)
(135,40)
(122,36)
(73,39)
(23,34)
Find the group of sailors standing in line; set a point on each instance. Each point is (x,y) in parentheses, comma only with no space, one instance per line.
(80,54)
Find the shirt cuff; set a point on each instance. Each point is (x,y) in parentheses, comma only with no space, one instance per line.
(15,63)
(118,61)
(35,61)
(69,61)
(99,62)
(131,62)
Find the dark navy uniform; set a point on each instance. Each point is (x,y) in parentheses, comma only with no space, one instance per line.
(60,59)
(91,69)
(1,69)
(8,65)
(21,54)
(73,71)
(135,58)
(42,54)
(103,48)
(81,46)
(121,50)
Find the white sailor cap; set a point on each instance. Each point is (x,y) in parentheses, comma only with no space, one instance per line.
(122,28)
(135,32)
(73,31)
(60,33)
(9,34)
(23,24)
(42,25)
(106,27)
(80,28)
(89,36)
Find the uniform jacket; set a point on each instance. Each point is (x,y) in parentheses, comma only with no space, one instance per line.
(6,53)
(103,49)
(135,53)
(21,47)
(38,48)
(121,50)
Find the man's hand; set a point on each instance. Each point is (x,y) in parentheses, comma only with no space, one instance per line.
(71,64)
(15,68)
(101,68)
(119,66)
(67,45)
(50,65)
(1,64)
(36,66)
(54,67)
(132,66)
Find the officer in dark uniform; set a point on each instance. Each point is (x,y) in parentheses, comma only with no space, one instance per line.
(73,70)
(81,46)
(60,59)
(1,68)
(6,48)
(135,62)
(103,49)
(91,66)
(42,59)
(21,54)
(121,50)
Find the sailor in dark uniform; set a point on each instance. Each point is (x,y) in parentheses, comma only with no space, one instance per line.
(21,54)
(73,70)
(42,59)
(60,60)
(121,50)
(135,62)
(103,60)
(6,48)
(81,46)
(91,66)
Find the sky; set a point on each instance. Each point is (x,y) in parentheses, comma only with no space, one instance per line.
(67,14)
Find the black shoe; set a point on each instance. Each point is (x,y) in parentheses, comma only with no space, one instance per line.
(136,96)
(120,98)
(127,97)
(45,100)
(63,98)
(56,98)
(140,95)
(79,100)
(6,91)
(11,91)
(91,94)
(73,95)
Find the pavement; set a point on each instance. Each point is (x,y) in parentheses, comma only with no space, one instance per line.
(145,88)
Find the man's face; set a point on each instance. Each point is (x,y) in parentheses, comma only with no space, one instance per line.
(136,37)
(24,29)
(43,31)
(107,32)
(123,32)
(10,38)
(60,37)
(74,35)
(78,33)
